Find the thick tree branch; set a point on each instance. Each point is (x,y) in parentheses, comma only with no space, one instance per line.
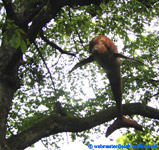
(55,123)
(50,10)
(30,14)
(9,9)
(38,22)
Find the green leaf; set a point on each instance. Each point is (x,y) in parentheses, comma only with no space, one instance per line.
(23,46)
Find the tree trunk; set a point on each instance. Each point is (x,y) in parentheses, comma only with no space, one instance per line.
(9,83)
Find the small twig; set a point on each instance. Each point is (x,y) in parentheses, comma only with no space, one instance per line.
(155,94)
(80,39)
(55,46)
(75,45)
(45,66)
(149,97)
(152,80)
(57,61)
(79,36)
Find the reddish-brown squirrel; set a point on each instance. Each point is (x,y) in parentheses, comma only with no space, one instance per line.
(104,51)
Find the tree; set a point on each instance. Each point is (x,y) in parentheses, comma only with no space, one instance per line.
(144,141)
(40,43)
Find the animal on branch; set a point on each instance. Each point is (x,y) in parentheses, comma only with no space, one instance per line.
(104,51)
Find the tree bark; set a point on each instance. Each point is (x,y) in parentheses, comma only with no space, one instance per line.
(55,123)
(9,83)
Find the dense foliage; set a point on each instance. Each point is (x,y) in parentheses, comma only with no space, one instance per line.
(63,42)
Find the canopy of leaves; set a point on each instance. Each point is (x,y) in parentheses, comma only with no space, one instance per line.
(64,41)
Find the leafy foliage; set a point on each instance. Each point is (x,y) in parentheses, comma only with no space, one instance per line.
(145,139)
(13,36)
(85,91)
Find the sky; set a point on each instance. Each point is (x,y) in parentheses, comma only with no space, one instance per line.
(77,145)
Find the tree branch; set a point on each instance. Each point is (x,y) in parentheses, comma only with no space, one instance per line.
(50,11)
(39,21)
(86,2)
(148,3)
(30,14)
(46,66)
(55,123)
(55,46)
(9,9)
